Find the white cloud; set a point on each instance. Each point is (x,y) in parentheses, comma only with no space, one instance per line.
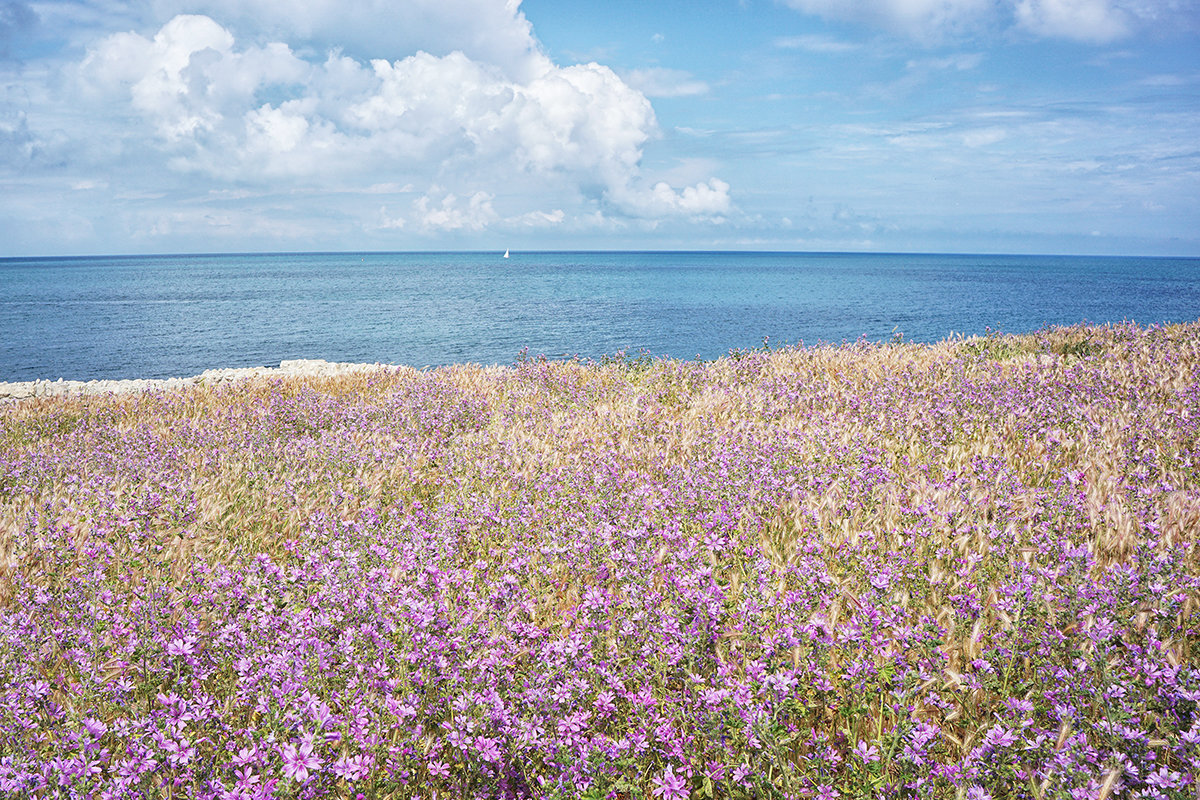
(922,18)
(386,188)
(984,137)
(496,33)
(1167,80)
(386,221)
(700,133)
(813,43)
(539,219)
(705,200)
(17,18)
(1085,20)
(686,172)
(919,72)
(663,82)
(1095,21)
(263,113)
(188,77)
(960,62)
(18,145)
(451,214)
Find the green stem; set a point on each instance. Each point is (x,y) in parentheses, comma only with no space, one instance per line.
(1012,658)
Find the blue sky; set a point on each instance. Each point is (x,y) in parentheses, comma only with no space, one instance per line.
(1028,126)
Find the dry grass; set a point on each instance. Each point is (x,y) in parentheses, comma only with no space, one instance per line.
(936,486)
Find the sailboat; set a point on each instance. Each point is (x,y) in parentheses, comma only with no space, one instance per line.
(506,252)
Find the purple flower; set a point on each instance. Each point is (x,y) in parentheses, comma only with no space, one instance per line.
(594,599)
(352,768)
(867,753)
(246,778)
(181,647)
(713,698)
(247,755)
(458,739)
(488,749)
(605,703)
(1163,778)
(179,753)
(95,727)
(573,724)
(1000,737)
(298,761)
(670,786)
(1019,705)
(826,792)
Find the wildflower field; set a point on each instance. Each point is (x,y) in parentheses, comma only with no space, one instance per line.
(963,570)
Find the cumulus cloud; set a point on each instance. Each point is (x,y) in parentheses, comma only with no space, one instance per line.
(188,77)
(706,200)
(539,219)
(495,33)
(452,214)
(466,125)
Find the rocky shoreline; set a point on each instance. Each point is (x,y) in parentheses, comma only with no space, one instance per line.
(23,390)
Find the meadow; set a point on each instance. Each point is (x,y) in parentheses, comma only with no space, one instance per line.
(965,570)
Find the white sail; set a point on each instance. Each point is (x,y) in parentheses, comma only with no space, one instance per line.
(506,252)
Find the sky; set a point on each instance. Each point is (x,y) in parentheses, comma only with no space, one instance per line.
(969,126)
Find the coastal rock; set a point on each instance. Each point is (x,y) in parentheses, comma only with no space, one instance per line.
(24,390)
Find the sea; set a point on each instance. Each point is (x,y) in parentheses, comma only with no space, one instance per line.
(163,316)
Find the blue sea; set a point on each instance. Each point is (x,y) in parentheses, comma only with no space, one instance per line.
(166,316)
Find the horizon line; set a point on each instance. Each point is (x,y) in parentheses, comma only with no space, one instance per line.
(602,251)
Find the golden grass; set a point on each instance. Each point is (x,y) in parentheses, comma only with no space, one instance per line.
(244,469)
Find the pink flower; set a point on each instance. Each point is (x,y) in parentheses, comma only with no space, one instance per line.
(1000,737)
(670,786)
(246,778)
(866,752)
(297,761)
(352,768)
(573,724)
(97,728)
(826,792)
(247,755)
(713,698)
(594,599)
(179,753)
(1163,778)
(439,769)
(605,703)
(181,647)
(487,749)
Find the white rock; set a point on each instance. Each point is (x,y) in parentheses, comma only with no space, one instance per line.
(20,390)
